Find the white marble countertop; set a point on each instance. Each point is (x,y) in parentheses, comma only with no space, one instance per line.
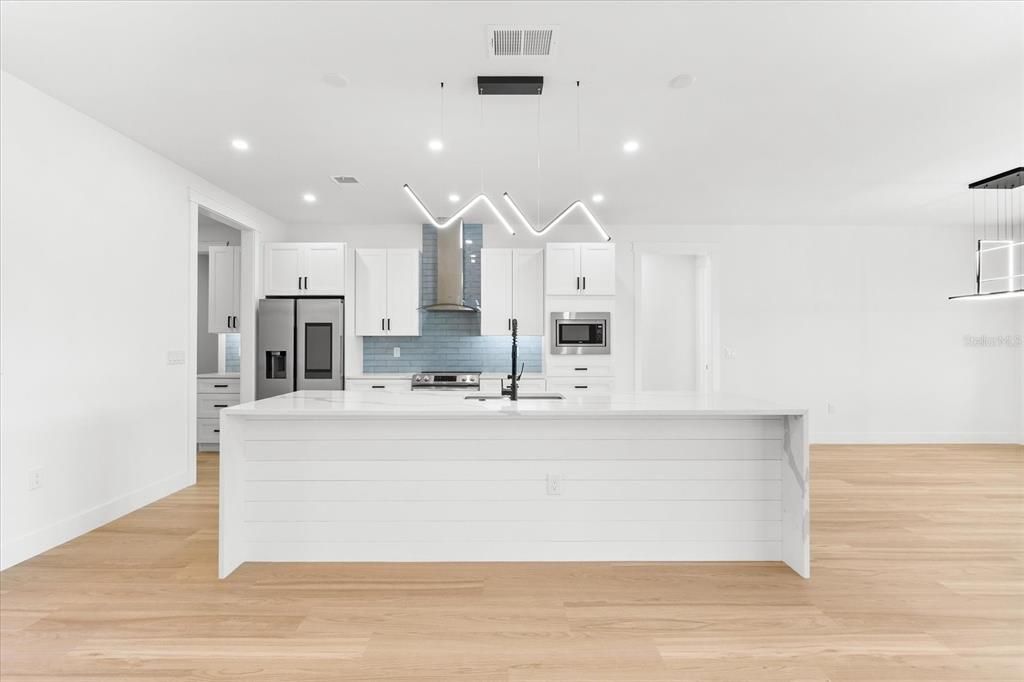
(218,375)
(358,404)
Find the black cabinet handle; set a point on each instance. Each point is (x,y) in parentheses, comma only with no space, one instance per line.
(300,282)
(510,323)
(216,430)
(220,385)
(580,369)
(305,282)
(224,405)
(371,386)
(389,324)
(228,324)
(577,284)
(584,284)
(581,387)
(382,324)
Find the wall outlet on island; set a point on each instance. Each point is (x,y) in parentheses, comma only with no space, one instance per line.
(554,484)
(397,351)
(35,479)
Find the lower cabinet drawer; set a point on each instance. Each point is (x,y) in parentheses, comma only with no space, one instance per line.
(582,386)
(208,431)
(209,405)
(385,385)
(579,366)
(217,385)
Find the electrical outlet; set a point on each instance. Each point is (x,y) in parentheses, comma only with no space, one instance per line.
(730,354)
(397,351)
(554,484)
(175,357)
(35,479)
(830,407)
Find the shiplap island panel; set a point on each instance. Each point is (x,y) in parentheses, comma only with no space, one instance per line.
(359,476)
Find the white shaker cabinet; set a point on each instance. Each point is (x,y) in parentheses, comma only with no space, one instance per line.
(303,269)
(223,293)
(511,287)
(387,292)
(583,269)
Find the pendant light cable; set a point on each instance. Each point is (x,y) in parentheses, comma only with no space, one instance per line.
(538,162)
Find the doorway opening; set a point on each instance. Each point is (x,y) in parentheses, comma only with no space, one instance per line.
(223,285)
(676,318)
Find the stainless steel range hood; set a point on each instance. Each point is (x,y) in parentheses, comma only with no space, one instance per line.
(449,295)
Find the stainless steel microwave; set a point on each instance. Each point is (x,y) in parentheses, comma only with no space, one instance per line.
(580,333)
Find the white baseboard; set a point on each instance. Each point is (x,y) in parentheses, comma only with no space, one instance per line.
(911,438)
(27,546)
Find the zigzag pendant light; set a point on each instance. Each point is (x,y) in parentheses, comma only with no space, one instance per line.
(566,211)
(578,204)
(479,198)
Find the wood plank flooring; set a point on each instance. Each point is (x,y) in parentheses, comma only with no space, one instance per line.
(918,574)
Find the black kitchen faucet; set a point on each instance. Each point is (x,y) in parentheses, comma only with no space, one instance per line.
(513,391)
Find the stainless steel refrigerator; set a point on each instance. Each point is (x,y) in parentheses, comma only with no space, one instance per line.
(301,344)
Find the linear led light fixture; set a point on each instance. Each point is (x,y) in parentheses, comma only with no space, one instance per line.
(458,214)
(566,211)
(1010,291)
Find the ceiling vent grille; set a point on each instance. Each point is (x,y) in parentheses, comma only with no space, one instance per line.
(522,41)
(344,180)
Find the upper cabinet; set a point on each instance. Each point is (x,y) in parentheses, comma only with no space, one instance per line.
(580,269)
(224,289)
(387,295)
(303,269)
(511,287)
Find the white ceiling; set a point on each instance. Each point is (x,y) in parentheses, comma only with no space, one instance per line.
(827,113)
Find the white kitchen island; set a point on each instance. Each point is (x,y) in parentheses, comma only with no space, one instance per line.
(356,476)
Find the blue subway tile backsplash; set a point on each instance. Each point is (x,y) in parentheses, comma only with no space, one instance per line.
(449,340)
(232,358)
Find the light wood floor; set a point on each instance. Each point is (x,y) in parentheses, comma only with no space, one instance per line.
(918,574)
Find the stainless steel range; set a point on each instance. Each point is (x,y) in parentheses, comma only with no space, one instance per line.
(446,381)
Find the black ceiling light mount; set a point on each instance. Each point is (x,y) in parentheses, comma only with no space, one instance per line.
(1011,179)
(510,85)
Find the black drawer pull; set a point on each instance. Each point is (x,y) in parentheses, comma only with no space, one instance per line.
(216,430)
(581,386)
(581,369)
(220,385)
(378,386)
(225,405)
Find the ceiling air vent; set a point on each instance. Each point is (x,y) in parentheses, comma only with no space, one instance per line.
(344,180)
(521,41)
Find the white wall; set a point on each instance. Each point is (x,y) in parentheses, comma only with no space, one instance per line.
(94,292)
(854,316)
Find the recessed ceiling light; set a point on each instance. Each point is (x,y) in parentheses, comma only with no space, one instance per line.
(597,198)
(630,146)
(240,144)
(435,145)
(309,198)
(683,80)
(335,80)
(453,197)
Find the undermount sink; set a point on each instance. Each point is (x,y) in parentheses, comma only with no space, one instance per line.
(522,396)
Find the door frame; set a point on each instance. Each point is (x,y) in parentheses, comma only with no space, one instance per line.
(248,301)
(707,314)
